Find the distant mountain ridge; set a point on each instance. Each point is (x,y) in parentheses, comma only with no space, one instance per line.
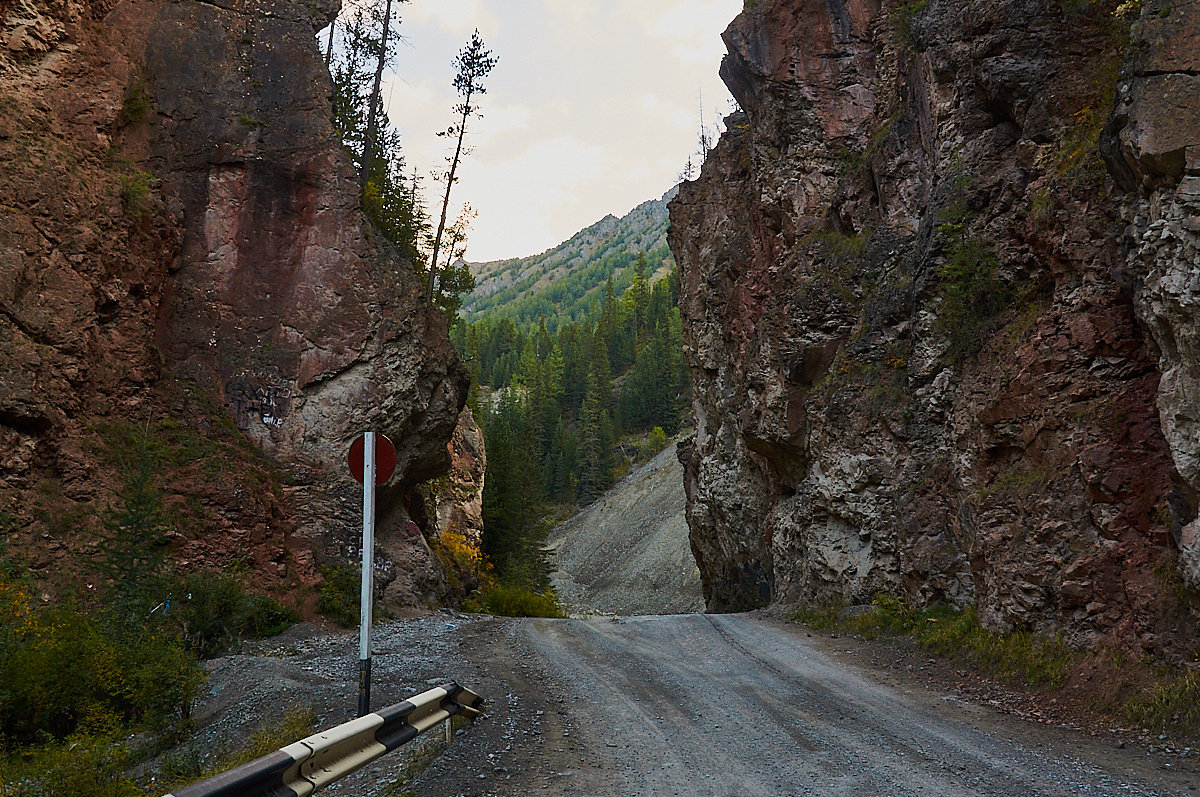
(567,281)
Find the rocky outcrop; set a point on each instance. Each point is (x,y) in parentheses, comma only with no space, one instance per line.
(455,500)
(182,213)
(453,507)
(924,359)
(1152,147)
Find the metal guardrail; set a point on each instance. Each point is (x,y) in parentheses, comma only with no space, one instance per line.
(313,763)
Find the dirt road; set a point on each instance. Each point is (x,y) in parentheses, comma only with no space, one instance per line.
(739,705)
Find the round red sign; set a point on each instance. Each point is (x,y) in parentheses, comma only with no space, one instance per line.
(385,458)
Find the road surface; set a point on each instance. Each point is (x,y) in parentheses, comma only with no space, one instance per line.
(741,705)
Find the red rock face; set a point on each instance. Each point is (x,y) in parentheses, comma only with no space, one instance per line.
(917,358)
(182,217)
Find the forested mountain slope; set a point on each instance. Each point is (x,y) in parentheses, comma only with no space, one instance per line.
(577,368)
(567,282)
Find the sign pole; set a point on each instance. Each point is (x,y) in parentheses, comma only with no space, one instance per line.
(367,597)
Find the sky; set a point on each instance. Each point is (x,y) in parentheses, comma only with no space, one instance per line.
(593,108)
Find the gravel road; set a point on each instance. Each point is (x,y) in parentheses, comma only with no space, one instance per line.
(743,705)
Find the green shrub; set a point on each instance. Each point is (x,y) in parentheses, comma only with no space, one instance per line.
(136,104)
(135,193)
(213,610)
(972,294)
(80,766)
(62,673)
(517,601)
(902,18)
(657,440)
(340,595)
(1017,657)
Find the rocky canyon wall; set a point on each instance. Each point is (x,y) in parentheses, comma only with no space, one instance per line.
(182,245)
(940,346)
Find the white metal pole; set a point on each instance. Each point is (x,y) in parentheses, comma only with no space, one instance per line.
(367,596)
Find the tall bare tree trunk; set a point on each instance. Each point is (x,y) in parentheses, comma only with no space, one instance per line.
(372,113)
(437,239)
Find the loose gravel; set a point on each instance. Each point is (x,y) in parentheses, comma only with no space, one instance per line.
(309,666)
(628,553)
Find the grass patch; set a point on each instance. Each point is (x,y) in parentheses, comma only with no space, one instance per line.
(185,766)
(135,191)
(519,601)
(83,765)
(1022,483)
(1018,657)
(297,723)
(1173,706)
(842,246)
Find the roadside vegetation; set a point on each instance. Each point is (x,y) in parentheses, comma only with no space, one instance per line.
(187,764)
(94,681)
(1018,658)
(1132,692)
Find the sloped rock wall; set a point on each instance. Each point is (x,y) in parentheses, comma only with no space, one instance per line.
(916,333)
(182,213)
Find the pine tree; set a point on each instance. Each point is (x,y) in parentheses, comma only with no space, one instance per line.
(375,102)
(473,63)
(514,534)
(591,443)
(638,295)
(133,542)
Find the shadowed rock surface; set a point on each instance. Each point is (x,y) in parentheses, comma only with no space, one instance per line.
(936,349)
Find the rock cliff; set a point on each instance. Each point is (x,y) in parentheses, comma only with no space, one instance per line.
(182,244)
(940,346)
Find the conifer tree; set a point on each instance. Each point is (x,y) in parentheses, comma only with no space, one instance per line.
(375,101)
(474,63)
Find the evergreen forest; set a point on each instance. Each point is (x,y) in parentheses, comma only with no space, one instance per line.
(392,196)
(567,405)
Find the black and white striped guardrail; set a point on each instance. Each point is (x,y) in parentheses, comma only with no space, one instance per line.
(311,764)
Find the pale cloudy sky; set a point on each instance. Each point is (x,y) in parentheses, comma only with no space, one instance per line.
(592,109)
